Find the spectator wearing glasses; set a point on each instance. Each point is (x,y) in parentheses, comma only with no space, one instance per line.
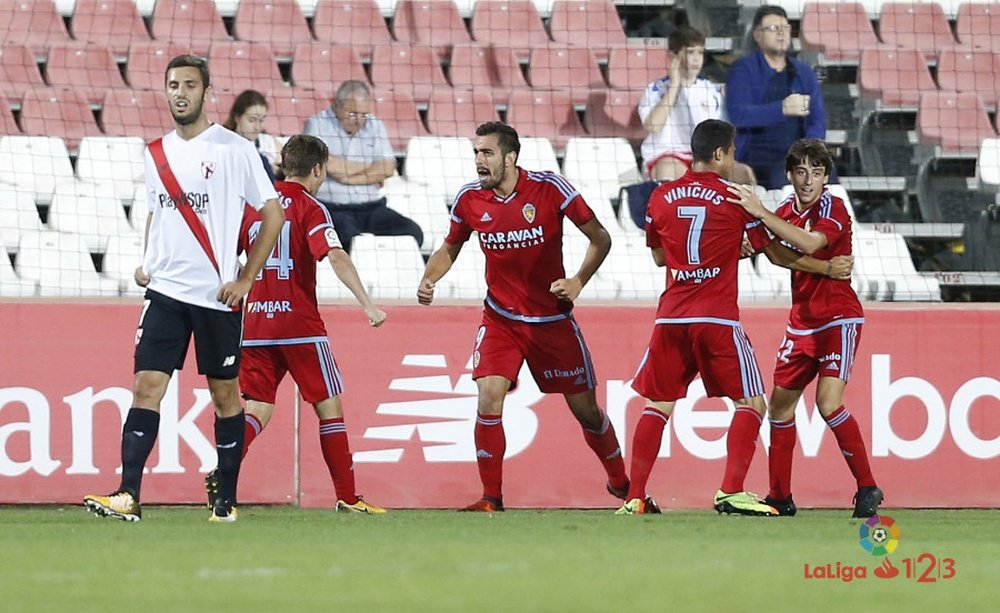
(772,99)
(361,159)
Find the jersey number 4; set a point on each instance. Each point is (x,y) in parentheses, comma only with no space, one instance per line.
(280,258)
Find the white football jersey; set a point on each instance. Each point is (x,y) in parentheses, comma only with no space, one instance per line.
(221,172)
(701,101)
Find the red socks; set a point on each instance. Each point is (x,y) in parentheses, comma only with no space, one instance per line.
(604,442)
(491,444)
(337,453)
(645,445)
(741,443)
(783,436)
(848,434)
(251,428)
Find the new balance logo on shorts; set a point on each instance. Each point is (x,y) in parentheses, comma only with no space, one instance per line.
(229,361)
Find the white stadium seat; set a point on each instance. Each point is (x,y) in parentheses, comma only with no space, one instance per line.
(61,265)
(90,210)
(118,160)
(607,163)
(11,284)
(19,214)
(390,266)
(123,255)
(36,163)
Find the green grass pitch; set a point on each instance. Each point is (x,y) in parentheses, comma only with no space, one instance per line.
(60,558)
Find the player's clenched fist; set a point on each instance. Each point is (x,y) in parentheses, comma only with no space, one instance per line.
(425,292)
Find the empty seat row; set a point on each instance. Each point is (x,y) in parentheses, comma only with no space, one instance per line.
(898,77)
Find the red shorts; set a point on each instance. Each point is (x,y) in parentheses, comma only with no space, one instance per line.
(311,364)
(826,352)
(677,352)
(555,352)
(685,158)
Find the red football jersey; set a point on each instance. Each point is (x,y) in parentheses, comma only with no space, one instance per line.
(521,236)
(281,305)
(700,233)
(819,300)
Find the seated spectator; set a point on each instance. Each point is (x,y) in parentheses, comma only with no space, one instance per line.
(772,99)
(672,106)
(361,158)
(246,118)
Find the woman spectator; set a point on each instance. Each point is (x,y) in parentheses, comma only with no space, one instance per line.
(246,118)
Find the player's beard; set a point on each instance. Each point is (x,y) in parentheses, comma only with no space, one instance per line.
(195,109)
(494,179)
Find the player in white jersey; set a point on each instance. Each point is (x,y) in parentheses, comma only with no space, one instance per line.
(199,178)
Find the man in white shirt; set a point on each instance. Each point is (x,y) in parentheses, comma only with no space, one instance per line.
(199,178)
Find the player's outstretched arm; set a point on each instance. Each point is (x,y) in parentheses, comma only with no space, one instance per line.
(438,265)
(348,275)
(141,278)
(808,241)
(273,217)
(838,267)
(600,246)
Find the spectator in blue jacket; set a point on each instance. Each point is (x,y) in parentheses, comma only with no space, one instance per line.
(772,99)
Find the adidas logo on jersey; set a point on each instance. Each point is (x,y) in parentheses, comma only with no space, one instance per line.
(486,217)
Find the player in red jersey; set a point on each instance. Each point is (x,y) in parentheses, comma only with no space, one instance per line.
(528,308)
(824,326)
(284,332)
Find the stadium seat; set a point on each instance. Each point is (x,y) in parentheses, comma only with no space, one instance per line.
(753,286)
(61,265)
(549,114)
(87,68)
(146,65)
(571,69)
(428,209)
(239,65)
(915,25)
(604,284)
(466,279)
(399,113)
(138,211)
(89,210)
(604,164)
(988,163)
(358,23)
(411,68)
(278,23)
(593,24)
(8,125)
(436,23)
(603,210)
(896,77)
(19,214)
(441,163)
(632,264)
(537,153)
(323,66)
(18,71)
(978,25)
(35,163)
(122,256)
(288,109)
(218,103)
(116,161)
(633,68)
(36,24)
(140,113)
(112,23)
(390,266)
(513,24)
(459,112)
(884,259)
(953,123)
(612,112)
(12,285)
(479,67)
(837,30)
(970,70)
(63,113)
(195,24)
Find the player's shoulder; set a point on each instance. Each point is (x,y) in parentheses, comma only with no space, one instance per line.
(549,179)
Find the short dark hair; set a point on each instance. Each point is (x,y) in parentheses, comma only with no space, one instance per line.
(506,136)
(811,149)
(301,153)
(244,101)
(189,61)
(708,136)
(765,10)
(684,36)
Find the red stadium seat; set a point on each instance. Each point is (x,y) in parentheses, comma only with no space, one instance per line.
(955,122)
(911,25)
(978,24)
(838,30)
(397,109)
(496,68)
(146,66)
(7,123)
(35,24)
(86,67)
(112,23)
(548,114)
(239,65)
(142,113)
(970,70)
(196,24)
(573,69)
(459,112)
(218,104)
(288,109)
(429,22)
(279,23)
(322,66)
(634,68)
(594,24)
(358,23)
(413,68)
(614,112)
(63,113)
(18,70)
(895,76)
(509,23)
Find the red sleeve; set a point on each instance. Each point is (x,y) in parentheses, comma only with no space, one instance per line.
(320,233)
(758,235)
(578,211)
(835,224)
(460,231)
(250,215)
(652,236)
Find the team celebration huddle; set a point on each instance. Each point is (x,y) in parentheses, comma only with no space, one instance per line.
(231,257)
